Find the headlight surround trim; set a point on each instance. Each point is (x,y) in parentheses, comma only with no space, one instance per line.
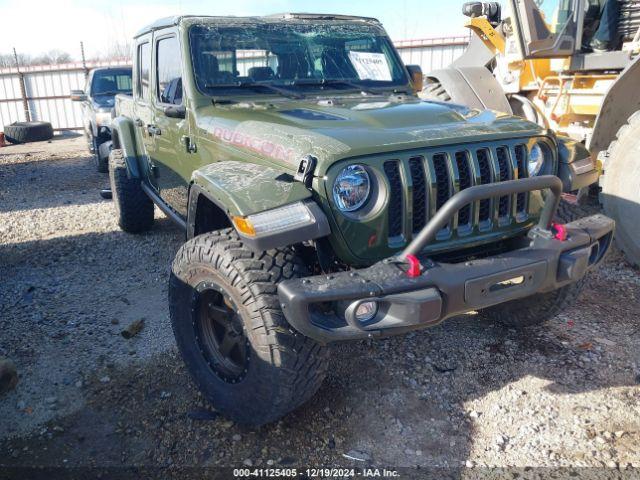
(538,158)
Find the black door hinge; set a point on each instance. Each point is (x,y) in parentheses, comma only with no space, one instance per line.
(189,145)
(305,170)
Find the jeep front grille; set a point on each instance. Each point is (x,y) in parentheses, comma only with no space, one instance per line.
(419,185)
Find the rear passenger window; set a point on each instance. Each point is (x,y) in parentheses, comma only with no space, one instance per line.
(144,67)
(169,64)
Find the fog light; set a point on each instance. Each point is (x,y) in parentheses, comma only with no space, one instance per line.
(366,311)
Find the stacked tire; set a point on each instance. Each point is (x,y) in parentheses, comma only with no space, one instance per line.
(25,132)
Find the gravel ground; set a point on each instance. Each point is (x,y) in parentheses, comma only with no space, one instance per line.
(465,393)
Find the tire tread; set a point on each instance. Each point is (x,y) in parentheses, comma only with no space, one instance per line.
(25,132)
(134,208)
(299,363)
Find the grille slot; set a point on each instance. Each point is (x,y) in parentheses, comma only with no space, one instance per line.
(521,161)
(464,172)
(442,179)
(419,196)
(485,177)
(394,214)
(504,175)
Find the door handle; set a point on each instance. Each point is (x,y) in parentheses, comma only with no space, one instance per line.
(153,130)
(138,122)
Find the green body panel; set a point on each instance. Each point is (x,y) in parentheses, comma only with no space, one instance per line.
(245,188)
(244,146)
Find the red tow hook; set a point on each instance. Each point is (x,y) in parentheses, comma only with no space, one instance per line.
(559,231)
(414,266)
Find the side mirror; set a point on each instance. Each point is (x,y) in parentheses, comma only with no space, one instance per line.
(178,111)
(78,96)
(415,72)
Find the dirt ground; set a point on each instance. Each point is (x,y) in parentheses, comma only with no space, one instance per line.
(467,393)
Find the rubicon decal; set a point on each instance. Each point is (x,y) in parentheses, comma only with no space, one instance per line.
(256,144)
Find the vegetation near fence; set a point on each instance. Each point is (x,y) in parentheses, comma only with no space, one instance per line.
(116,51)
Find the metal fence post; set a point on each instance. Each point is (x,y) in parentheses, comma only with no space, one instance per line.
(84,60)
(23,89)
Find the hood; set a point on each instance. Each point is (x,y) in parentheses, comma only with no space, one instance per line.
(104,101)
(286,130)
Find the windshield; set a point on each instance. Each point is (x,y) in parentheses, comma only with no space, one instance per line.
(111,82)
(555,14)
(295,55)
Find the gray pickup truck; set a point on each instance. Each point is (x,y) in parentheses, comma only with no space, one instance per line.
(98,98)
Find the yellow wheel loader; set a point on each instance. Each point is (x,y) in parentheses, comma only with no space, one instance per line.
(536,60)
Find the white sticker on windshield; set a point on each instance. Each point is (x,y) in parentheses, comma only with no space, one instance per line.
(371,66)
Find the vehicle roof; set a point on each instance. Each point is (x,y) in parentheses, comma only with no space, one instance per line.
(113,67)
(175,20)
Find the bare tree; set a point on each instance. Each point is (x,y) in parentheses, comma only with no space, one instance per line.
(52,57)
(8,60)
(116,51)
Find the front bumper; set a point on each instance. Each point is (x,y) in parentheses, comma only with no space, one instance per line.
(323,307)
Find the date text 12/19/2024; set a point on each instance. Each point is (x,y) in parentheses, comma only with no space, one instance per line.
(315,473)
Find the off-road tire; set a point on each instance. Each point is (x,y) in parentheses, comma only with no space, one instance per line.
(568,212)
(285,368)
(133,207)
(536,309)
(620,192)
(101,163)
(25,132)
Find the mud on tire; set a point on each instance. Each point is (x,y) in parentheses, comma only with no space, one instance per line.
(536,309)
(133,207)
(278,369)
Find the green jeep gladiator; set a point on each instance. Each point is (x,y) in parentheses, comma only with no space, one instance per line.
(322,200)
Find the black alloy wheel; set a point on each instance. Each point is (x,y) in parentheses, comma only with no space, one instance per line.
(219,332)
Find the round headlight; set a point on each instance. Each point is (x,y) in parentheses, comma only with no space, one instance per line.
(536,159)
(351,188)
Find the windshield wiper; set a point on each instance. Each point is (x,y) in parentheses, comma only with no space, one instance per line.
(112,92)
(254,85)
(327,82)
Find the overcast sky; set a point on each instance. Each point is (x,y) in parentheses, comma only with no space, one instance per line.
(35,26)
